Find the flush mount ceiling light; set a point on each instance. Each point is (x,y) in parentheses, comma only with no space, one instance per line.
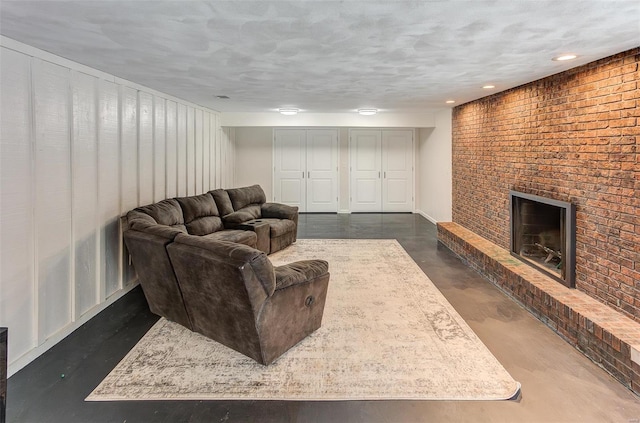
(488,87)
(289,111)
(367,112)
(564,57)
(450,101)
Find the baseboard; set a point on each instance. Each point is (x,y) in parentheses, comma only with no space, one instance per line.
(36,352)
(426,216)
(344,211)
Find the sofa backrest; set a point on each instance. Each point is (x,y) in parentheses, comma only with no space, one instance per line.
(261,283)
(223,202)
(246,196)
(166,212)
(201,215)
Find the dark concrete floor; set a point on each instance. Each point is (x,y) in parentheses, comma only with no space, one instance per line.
(558,383)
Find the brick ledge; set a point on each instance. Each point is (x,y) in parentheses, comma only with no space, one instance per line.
(606,336)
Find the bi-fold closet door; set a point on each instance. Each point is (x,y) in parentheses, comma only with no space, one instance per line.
(381,170)
(306,169)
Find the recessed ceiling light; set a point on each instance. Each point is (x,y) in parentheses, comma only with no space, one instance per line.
(289,112)
(488,87)
(564,57)
(367,112)
(450,101)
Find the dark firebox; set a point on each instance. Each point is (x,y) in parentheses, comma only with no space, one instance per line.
(543,235)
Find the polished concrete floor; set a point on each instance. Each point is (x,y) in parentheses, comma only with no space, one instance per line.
(558,383)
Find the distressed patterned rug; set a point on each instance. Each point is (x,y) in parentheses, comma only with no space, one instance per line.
(387,333)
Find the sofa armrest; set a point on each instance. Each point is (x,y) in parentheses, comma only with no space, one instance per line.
(299,272)
(162,231)
(295,310)
(232,220)
(279,211)
(242,215)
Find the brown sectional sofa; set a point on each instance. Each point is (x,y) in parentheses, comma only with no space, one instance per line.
(202,262)
(237,215)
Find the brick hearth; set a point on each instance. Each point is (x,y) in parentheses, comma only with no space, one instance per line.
(609,338)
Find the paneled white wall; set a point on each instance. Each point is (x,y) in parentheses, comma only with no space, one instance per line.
(78,149)
(18,295)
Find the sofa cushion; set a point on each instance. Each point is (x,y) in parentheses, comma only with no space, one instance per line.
(201,215)
(245,214)
(223,202)
(166,212)
(235,235)
(242,197)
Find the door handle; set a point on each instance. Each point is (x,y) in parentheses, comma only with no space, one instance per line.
(308,174)
(385,175)
(303,174)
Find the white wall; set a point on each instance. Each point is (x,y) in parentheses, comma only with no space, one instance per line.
(78,149)
(255,158)
(433,181)
(350,119)
(226,156)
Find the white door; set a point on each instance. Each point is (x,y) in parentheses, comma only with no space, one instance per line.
(322,171)
(397,171)
(365,158)
(290,167)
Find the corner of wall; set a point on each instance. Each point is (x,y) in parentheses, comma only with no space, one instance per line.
(434,179)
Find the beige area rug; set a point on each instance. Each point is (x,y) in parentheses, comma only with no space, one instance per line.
(387,333)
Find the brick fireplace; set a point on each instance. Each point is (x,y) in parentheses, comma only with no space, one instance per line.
(572,137)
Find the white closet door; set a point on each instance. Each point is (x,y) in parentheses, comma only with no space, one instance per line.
(366,186)
(289,167)
(397,171)
(322,171)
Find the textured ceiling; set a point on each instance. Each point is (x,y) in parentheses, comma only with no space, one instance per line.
(325,56)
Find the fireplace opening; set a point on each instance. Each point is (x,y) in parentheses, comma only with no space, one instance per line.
(543,235)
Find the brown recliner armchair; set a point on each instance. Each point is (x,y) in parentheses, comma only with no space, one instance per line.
(234,295)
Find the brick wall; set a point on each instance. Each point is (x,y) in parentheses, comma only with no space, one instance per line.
(574,136)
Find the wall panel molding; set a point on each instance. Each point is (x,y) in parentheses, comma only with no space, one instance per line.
(80,148)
